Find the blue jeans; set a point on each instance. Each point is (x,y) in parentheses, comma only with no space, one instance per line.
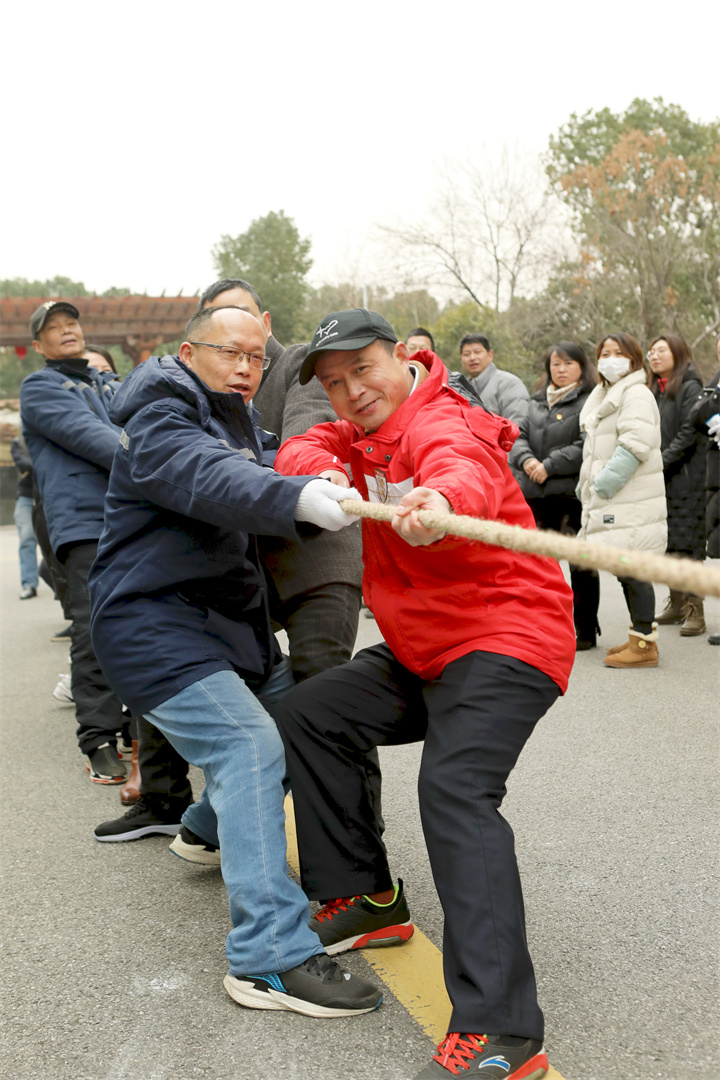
(26,536)
(221,726)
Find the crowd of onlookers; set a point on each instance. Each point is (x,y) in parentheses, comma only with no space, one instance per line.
(571,428)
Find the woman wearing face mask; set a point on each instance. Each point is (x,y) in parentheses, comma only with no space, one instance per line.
(676,386)
(546,458)
(621,483)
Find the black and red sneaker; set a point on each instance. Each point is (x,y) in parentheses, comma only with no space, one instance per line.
(354,922)
(493,1057)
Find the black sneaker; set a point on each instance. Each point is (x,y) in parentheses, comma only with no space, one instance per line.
(104,765)
(494,1057)
(190,847)
(354,922)
(317,987)
(62,635)
(147,817)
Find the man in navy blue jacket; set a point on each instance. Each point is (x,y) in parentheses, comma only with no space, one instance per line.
(71,440)
(180,622)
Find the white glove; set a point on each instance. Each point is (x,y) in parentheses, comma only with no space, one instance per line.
(713,426)
(318,503)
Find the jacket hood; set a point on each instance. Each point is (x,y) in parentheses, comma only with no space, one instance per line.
(159,378)
(434,377)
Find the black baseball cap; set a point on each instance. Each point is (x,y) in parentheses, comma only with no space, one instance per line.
(345,330)
(40,315)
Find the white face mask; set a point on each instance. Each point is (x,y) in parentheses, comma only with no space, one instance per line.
(613,367)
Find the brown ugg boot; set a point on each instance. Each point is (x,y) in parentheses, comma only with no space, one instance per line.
(625,644)
(673,610)
(619,648)
(130,791)
(693,617)
(640,651)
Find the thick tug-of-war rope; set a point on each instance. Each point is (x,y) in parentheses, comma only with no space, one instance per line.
(685,575)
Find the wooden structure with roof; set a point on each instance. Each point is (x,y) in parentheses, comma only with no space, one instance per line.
(140,324)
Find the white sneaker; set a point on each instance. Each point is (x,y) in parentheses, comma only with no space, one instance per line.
(62,691)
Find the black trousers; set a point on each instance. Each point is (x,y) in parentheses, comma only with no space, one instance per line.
(563,515)
(640,600)
(474,719)
(54,568)
(321,626)
(98,709)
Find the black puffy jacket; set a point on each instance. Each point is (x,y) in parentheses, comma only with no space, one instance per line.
(683,453)
(553,437)
(706,405)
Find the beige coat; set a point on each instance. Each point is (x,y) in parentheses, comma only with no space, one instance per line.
(636,517)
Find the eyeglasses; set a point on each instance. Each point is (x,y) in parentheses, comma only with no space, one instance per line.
(232,356)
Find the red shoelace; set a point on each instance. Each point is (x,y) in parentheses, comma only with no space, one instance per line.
(329,910)
(457,1049)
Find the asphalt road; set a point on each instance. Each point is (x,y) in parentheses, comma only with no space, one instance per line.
(113,953)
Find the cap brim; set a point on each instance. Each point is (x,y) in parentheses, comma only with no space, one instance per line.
(308,365)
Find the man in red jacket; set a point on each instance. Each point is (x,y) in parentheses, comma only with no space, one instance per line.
(479,644)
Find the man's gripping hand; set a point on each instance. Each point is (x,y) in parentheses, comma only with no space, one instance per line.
(407,523)
(318,503)
(335,477)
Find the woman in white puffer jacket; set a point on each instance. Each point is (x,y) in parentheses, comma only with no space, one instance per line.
(621,484)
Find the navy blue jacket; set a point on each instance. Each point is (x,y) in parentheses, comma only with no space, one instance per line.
(71,440)
(177,590)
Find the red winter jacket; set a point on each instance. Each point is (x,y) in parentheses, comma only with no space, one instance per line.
(434,604)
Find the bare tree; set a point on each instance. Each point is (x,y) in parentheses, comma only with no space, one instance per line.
(493,229)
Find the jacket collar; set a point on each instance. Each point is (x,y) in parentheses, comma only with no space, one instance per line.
(480,381)
(608,398)
(76,368)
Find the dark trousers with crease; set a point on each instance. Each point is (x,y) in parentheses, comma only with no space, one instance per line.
(321,626)
(97,707)
(474,719)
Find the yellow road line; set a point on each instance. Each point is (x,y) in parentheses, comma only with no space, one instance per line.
(413,973)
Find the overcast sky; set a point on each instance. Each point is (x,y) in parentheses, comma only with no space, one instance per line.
(137,132)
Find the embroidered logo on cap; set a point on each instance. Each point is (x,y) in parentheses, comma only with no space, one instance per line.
(324,333)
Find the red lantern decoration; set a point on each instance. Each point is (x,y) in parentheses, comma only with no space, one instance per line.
(21,351)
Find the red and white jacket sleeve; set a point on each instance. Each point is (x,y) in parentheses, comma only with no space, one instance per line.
(324,446)
(463,468)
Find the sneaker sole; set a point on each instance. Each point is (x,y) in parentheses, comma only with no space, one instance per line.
(246,994)
(137,834)
(535,1069)
(191,853)
(378,939)
(98,779)
(62,699)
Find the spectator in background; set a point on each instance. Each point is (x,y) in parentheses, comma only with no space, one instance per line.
(547,456)
(71,439)
(706,416)
(23,520)
(418,339)
(621,483)
(100,359)
(676,386)
(501,392)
